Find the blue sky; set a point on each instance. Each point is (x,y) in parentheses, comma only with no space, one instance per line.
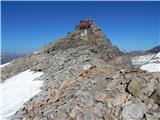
(27,26)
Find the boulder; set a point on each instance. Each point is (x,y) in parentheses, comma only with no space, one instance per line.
(156,97)
(134,111)
(135,87)
(107,116)
(119,99)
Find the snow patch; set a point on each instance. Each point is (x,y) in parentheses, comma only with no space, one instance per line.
(139,60)
(150,62)
(151,67)
(17,90)
(36,52)
(158,55)
(2,65)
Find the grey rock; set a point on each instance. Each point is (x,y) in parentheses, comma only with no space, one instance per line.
(151,117)
(134,111)
(119,99)
(88,116)
(48,111)
(135,87)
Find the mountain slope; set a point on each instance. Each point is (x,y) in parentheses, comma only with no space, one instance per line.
(91,39)
(154,50)
(86,78)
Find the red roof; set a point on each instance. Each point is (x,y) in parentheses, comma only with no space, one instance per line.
(85,23)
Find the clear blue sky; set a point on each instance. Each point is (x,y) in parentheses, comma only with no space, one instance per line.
(27,26)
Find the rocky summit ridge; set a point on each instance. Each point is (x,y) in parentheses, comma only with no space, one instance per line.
(87,78)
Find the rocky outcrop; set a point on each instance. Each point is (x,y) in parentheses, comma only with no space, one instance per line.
(87,78)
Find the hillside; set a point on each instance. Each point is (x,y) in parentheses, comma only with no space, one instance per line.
(84,77)
(154,50)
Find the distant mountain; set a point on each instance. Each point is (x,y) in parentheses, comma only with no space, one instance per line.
(154,50)
(135,53)
(7,57)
